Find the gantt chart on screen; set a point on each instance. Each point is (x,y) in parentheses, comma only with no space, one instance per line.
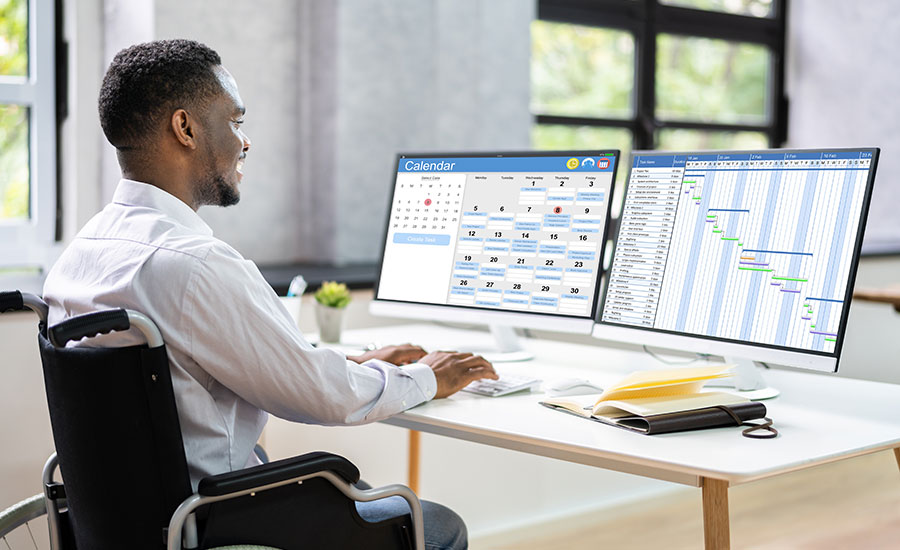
(512,233)
(750,247)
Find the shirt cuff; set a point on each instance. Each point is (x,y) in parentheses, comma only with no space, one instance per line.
(424,377)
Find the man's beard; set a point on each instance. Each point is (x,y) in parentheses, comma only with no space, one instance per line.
(215,191)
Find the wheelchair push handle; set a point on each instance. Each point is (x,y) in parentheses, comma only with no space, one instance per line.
(11,301)
(104,322)
(88,325)
(15,300)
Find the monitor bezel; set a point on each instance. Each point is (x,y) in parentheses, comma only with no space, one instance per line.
(786,355)
(527,317)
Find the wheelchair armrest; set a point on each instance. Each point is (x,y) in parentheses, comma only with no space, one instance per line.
(273,472)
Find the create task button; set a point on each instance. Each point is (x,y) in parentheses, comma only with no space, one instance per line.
(421,238)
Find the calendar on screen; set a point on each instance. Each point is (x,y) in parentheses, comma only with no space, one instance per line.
(521,233)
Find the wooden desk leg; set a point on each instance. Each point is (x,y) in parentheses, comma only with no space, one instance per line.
(413,474)
(897,455)
(716,535)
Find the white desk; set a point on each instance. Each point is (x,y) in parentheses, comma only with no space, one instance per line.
(820,419)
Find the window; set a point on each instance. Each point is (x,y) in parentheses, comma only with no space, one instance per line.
(27,132)
(668,74)
(582,86)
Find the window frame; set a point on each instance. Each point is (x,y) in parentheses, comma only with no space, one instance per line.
(646,20)
(26,243)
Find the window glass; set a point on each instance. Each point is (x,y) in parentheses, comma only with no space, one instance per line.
(693,140)
(581,71)
(700,79)
(13,37)
(14,172)
(754,8)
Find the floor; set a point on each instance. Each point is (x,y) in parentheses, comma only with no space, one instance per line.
(851,504)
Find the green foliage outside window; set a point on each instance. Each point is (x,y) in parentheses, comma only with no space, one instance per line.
(581,71)
(711,80)
(14,172)
(13,37)
(590,72)
(13,162)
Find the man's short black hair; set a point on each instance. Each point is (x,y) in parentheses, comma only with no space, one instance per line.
(145,83)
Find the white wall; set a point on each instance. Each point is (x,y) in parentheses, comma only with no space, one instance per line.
(259,44)
(25,425)
(843,86)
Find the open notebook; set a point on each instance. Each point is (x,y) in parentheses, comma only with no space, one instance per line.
(662,401)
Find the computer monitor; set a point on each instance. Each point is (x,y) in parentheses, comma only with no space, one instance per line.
(751,255)
(503,239)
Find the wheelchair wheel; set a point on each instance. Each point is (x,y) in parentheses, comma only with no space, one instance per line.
(24,525)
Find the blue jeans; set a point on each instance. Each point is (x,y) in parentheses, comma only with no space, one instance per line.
(444,529)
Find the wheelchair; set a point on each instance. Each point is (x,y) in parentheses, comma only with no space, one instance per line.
(125,480)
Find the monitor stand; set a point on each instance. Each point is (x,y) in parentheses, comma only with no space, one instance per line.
(507,346)
(748,381)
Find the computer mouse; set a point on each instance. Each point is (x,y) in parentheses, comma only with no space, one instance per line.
(572,386)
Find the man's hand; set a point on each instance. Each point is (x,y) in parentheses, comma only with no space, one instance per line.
(397,355)
(454,371)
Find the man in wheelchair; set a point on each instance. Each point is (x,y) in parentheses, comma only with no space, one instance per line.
(174,115)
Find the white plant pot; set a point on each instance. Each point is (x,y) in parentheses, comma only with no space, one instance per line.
(330,321)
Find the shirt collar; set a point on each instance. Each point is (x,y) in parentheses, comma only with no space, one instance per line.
(135,193)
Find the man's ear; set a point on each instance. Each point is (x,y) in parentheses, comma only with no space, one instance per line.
(184,127)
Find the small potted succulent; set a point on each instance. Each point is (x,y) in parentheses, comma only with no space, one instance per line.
(331,300)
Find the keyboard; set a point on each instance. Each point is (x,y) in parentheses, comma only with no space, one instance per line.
(507,384)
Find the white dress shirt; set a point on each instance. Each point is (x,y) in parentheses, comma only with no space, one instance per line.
(234,351)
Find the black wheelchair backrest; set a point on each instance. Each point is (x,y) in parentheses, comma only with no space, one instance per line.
(117,435)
